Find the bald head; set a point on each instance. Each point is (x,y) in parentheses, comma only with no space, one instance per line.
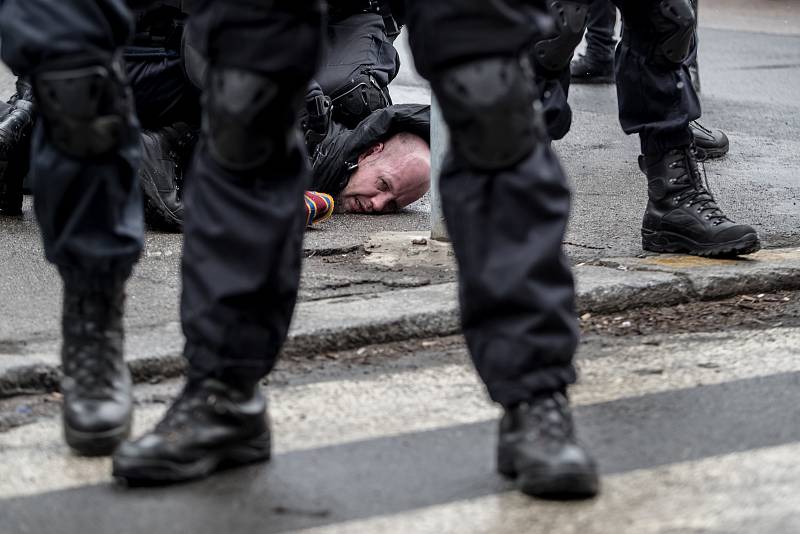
(390,176)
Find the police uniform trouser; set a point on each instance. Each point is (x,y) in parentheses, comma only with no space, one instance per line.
(358,46)
(655,95)
(244,225)
(89,209)
(162,92)
(506,224)
(600,30)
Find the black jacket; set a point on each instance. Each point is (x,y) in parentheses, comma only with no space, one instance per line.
(336,157)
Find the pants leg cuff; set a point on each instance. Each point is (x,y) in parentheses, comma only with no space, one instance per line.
(509,393)
(93,281)
(206,363)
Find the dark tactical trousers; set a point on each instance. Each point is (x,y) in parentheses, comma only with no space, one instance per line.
(516,287)
(357,45)
(89,211)
(656,99)
(600,40)
(243,229)
(161,90)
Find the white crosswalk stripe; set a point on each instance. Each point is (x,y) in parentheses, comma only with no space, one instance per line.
(753,490)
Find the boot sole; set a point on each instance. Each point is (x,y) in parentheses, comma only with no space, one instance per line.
(555,484)
(96,443)
(153,472)
(655,241)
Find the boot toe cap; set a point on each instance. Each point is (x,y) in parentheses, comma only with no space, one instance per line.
(97,416)
(736,232)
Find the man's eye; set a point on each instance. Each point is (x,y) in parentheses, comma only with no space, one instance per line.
(383,186)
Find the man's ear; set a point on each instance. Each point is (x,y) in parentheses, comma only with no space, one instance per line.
(377,148)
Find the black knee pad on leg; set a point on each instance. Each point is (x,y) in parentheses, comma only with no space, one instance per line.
(570,19)
(491,108)
(87,110)
(248,117)
(675,23)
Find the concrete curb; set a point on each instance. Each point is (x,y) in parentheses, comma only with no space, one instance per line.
(345,323)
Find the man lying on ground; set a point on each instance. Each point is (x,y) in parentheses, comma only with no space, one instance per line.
(380,166)
(361,61)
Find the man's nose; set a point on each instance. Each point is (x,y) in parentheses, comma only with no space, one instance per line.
(380,202)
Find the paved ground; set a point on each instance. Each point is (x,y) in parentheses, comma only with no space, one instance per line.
(695,432)
(696,428)
(749,82)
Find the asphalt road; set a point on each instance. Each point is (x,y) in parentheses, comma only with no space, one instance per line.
(749,80)
(695,433)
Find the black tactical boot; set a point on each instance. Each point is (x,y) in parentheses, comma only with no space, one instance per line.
(709,143)
(211,426)
(682,215)
(16,124)
(537,447)
(166,154)
(588,69)
(96,383)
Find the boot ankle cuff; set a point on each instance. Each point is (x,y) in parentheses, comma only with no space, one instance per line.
(78,280)
(655,146)
(242,374)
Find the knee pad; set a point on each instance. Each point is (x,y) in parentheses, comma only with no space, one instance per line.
(87,111)
(570,20)
(490,108)
(248,117)
(675,23)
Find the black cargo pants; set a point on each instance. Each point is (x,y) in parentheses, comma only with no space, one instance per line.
(162,92)
(243,229)
(656,98)
(600,41)
(89,211)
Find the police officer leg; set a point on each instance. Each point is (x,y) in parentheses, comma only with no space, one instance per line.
(551,62)
(709,142)
(85,152)
(168,106)
(506,202)
(694,64)
(657,101)
(596,65)
(243,236)
(359,64)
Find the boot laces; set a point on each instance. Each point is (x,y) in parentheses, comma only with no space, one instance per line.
(190,408)
(702,128)
(92,360)
(551,419)
(698,192)
(93,374)
(179,415)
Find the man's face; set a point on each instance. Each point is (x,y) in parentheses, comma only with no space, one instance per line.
(385,183)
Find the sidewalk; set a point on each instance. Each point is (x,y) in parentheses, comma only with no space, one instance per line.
(421,307)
